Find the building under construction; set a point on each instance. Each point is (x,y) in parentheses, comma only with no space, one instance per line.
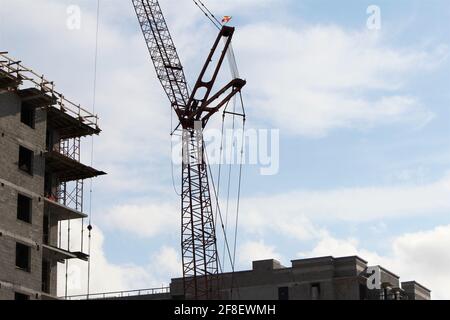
(323,278)
(41,179)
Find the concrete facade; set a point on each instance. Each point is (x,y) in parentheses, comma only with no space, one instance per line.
(323,278)
(39,235)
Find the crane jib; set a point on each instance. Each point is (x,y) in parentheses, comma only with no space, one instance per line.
(162,51)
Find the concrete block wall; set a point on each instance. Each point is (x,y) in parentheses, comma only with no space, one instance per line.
(416,291)
(22,281)
(13,133)
(338,278)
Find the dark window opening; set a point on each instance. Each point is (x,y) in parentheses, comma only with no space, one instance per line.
(46,230)
(315,291)
(48,187)
(27,115)
(21,296)
(26,160)
(283,293)
(24,208)
(46,276)
(23,257)
(49,140)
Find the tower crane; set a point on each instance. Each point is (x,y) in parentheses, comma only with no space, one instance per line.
(193,110)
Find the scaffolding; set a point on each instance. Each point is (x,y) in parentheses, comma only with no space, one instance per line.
(12,71)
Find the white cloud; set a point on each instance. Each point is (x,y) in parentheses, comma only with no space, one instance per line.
(144,220)
(328,245)
(134,113)
(424,256)
(298,214)
(106,276)
(320,78)
(167,262)
(292,213)
(254,251)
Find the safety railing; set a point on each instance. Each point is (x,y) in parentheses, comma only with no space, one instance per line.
(120,294)
(15,69)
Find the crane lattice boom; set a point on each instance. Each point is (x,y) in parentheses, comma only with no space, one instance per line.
(163,52)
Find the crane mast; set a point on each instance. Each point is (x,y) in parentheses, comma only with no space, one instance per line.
(198,234)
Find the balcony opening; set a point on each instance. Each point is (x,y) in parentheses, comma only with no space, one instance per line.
(24,210)
(26,160)
(23,257)
(46,276)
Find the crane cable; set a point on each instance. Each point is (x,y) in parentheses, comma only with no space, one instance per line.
(216,198)
(171,156)
(208,14)
(94,100)
(219,174)
(231,256)
(230,170)
(238,205)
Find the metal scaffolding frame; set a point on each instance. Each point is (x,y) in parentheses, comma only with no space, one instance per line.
(14,68)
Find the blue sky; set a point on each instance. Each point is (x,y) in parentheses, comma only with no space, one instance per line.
(363,118)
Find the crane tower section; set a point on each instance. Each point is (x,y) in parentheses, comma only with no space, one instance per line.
(198,234)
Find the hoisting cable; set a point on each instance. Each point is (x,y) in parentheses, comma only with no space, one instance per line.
(219,175)
(82,220)
(239,190)
(218,207)
(210,13)
(207,15)
(230,170)
(68,244)
(172,134)
(232,257)
(94,100)
(67,262)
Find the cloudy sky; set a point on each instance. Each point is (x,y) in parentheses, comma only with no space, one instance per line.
(363,118)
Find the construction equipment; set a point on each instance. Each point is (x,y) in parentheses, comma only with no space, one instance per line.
(194,110)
